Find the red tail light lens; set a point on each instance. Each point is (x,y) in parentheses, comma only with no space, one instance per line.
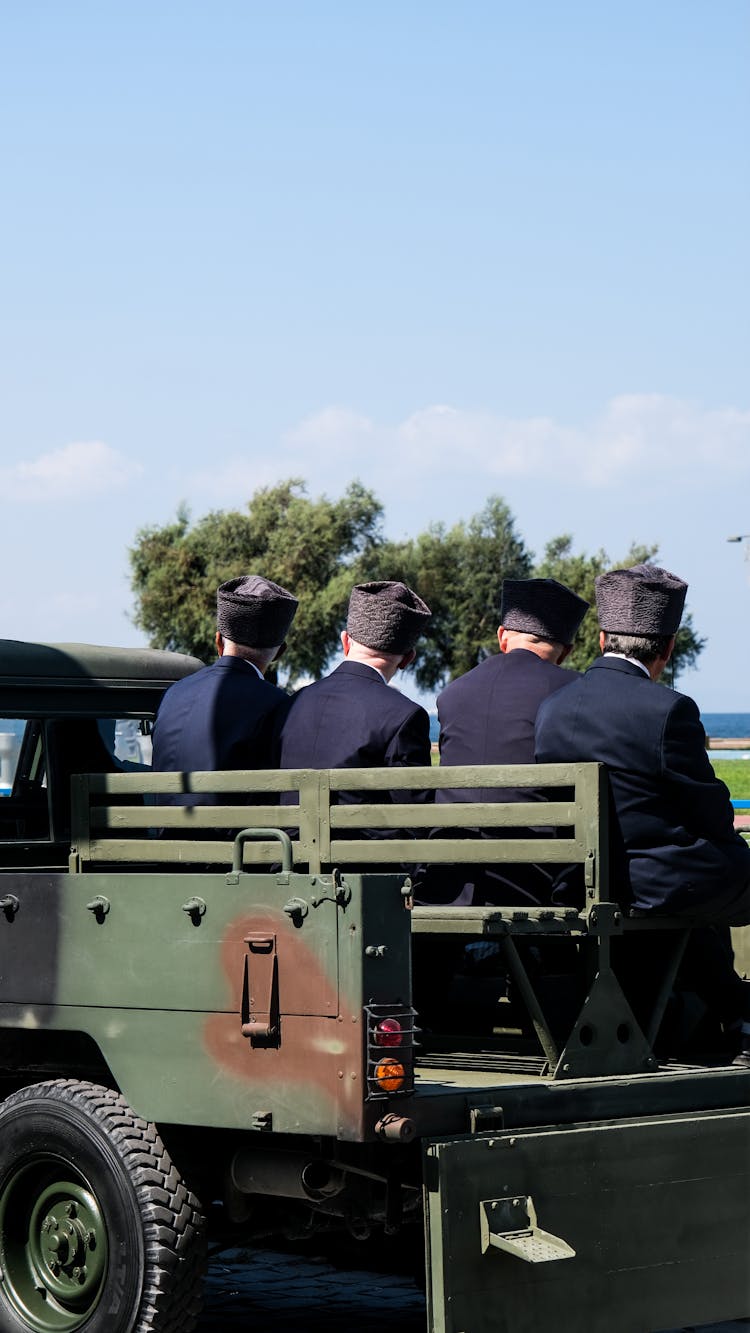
(389,1032)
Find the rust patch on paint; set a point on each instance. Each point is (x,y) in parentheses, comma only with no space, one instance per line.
(315,1051)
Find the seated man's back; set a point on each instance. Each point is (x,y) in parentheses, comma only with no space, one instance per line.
(487,717)
(227,716)
(352,718)
(674,845)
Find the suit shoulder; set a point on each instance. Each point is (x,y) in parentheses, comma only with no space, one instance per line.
(481,673)
(399,702)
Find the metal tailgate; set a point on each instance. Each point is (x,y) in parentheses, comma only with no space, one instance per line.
(630,1226)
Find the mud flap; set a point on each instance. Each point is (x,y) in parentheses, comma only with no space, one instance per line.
(650,1217)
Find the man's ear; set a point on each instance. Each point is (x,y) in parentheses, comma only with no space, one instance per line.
(601,640)
(502,638)
(346,642)
(279,652)
(567,650)
(670,649)
(218,640)
(407,659)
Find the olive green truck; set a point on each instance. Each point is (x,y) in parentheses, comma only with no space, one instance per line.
(208,1031)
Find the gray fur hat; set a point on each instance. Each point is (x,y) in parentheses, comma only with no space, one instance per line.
(543,607)
(642,600)
(253,611)
(387,616)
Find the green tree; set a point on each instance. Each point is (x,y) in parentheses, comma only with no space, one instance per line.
(319,548)
(579,572)
(459,572)
(312,547)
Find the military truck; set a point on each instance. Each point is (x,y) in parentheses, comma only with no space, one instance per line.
(207,1029)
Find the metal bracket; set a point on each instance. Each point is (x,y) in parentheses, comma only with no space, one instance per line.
(195,908)
(510,1225)
(605,919)
(9,905)
(99,906)
(259,1011)
(342,894)
(606,1038)
(296,909)
(589,870)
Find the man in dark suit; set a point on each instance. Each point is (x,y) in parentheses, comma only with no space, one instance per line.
(352,719)
(487,717)
(674,848)
(227,716)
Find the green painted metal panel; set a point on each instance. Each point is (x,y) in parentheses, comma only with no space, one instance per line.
(195,1068)
(656,1211)
(147,952)
(164,991)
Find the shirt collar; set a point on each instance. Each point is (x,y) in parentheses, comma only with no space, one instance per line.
(246,663)
(354,661)
(633,660)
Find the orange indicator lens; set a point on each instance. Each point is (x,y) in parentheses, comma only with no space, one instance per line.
(390,1075)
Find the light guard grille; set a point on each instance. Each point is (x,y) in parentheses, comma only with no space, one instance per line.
(376,1052)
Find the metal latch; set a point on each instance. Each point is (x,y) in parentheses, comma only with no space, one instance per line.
(260,1002)
(510,1225)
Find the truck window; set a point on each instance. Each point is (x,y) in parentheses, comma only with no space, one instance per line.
(37,755)
(24,813)
(11,735)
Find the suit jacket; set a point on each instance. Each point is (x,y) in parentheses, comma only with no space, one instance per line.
(488,715)
(223,717)
(352,719)
(674,848)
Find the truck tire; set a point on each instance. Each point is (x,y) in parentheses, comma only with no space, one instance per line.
(98,1232)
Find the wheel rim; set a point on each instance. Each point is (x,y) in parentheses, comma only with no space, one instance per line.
(53,1244)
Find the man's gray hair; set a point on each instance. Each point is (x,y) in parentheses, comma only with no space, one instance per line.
(644,648)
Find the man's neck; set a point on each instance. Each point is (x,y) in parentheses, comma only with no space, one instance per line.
(385,669)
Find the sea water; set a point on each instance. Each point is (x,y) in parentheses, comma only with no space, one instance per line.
(717,726)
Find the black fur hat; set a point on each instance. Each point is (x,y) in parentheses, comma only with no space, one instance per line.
(386,616)
(642,600)
(543,607)
(253,611)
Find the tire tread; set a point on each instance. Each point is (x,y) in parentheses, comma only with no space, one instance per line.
(174,1224)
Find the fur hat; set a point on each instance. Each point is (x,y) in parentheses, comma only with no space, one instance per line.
(642,600)
(253,611)
(386,616)
(543,607)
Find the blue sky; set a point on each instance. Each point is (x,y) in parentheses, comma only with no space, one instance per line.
(451,250)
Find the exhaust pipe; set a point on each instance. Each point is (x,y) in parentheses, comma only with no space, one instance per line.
(288,1175)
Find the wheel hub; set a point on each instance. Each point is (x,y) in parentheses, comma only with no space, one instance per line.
(55,1247)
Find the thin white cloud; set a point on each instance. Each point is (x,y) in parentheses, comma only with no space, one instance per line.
(650,434)
(638,443)
(75,471)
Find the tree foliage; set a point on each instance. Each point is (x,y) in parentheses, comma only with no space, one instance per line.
(459,572)
(311,547)
(319,548)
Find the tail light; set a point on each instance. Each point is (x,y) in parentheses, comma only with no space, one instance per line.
(391,1038)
